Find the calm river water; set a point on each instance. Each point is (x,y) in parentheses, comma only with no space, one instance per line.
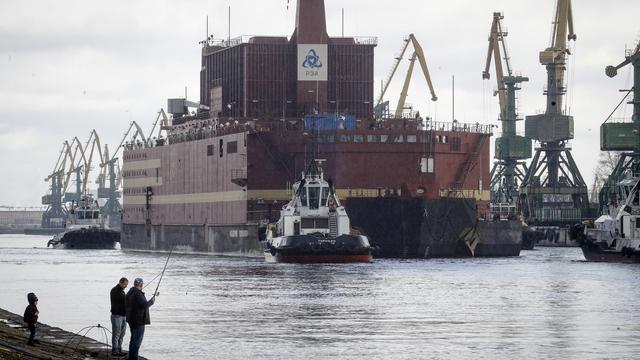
(545,304)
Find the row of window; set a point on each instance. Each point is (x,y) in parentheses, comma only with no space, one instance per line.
(135,191)
(232,148)
(346,138)
(135,156)
(134,173)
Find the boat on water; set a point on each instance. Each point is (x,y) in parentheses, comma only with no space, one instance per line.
(223,167)
(614,237)
(87,230)
(314,227)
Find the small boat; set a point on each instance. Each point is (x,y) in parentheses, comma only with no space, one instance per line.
(615,237)
(314,227)
(87,230)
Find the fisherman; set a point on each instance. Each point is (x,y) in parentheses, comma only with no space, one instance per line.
(118,317)
(31,317)
(137,309)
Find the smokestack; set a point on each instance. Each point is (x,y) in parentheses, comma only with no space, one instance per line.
(312,60)
(311,24)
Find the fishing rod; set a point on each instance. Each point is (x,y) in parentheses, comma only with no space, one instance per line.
(163,270)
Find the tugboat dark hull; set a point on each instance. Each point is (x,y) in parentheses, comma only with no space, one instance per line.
(320,249)
(598,252)
(87,238)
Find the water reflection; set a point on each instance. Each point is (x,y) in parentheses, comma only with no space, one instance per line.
(545,304)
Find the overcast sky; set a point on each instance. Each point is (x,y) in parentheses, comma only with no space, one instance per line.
(67,67)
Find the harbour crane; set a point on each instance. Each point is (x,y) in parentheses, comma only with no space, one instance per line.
(418,54)
(510,149)
(622,136)
(110,167)
(553,192)
(55,215)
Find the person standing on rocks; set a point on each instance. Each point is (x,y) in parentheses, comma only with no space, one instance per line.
(118,316)
(137,315)
(31,317)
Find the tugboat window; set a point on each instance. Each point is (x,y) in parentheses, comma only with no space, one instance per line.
(325,195)
(303,197)
(314,197)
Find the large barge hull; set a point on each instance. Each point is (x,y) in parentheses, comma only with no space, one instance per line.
(432,228)
(237,240)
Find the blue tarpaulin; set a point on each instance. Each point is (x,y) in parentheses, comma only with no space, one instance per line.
(330,122)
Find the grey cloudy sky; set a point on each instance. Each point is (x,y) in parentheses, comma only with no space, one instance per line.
(67,67)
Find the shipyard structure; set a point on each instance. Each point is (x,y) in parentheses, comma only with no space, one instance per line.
(225,167)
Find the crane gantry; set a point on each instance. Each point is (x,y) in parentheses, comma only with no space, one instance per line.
(553,190)
(510,148)
(622,136)
(418,54)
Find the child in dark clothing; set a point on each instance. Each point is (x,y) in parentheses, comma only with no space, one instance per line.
(31,317)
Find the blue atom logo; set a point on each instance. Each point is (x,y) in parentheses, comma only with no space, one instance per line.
(312,60)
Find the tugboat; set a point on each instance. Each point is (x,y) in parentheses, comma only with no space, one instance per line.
(314,226)
(87,229)
(614,238)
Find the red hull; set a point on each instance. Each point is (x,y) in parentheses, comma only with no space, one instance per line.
(314,259)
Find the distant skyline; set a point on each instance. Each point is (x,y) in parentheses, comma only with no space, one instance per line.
(68,67)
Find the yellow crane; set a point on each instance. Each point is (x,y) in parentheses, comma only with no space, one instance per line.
(418,54)
(496,41)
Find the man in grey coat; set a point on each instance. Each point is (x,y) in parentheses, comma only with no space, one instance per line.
(137,315)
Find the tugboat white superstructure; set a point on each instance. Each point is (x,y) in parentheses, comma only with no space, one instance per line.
(314,227)
(616,237)
(87,229)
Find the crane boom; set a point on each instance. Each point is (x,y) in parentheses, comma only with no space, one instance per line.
(496,37)
(418,54)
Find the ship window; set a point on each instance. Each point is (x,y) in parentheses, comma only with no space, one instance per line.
(358,138)
(221,147)
(411,138)
(314,197)
(372,138)
(398,139)
(325,195)
(345,138)
(96,214)
(232,147)
(303,197)
(209,150)
(425,138)
(315,223)
(455,143)
(331,138)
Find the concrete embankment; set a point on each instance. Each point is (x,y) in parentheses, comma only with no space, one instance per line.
(54,343)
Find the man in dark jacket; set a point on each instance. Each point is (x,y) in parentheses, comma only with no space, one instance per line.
(118,313)
(31,317)
(137,315)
